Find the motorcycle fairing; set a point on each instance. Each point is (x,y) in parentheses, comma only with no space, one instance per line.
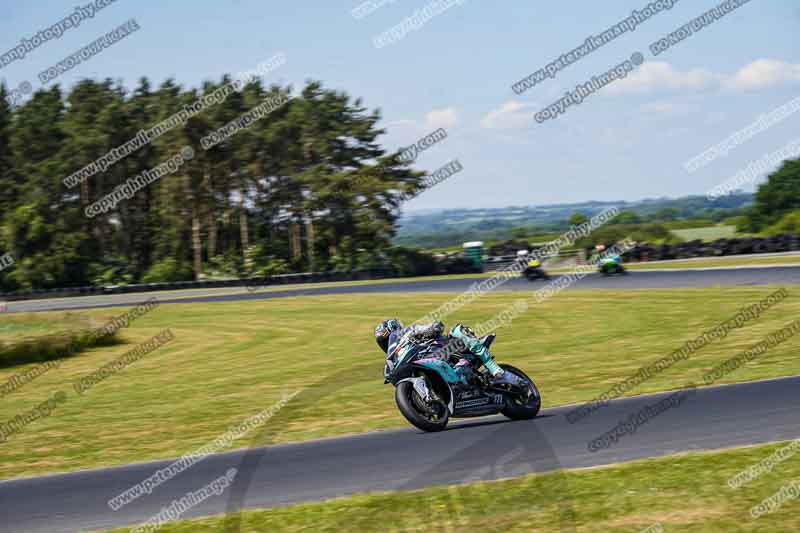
(441,367)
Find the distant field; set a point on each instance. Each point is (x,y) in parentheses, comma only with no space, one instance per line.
(710,233)
(230,360)
(686,492)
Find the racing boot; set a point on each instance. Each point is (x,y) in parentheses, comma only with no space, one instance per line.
(474,345)
(505,378)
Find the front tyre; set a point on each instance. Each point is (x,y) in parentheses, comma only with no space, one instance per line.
(519,408)
(430,418)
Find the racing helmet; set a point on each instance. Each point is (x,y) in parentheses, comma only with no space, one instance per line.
(384,330)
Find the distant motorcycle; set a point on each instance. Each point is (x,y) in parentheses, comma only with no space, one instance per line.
(429,391)
(612,265)
(535,271)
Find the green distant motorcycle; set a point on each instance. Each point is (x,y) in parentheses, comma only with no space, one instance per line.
(611,265)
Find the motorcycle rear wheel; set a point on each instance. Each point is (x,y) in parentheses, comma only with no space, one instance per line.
(404,396)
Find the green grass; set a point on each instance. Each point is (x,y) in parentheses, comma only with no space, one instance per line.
(230,360)
(725,261)
(30,338)
(14,327)
(687,493)
(711,233)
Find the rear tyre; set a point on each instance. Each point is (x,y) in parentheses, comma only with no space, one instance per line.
(412,408)
(517,409)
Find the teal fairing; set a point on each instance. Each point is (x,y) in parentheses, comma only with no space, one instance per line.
(443,369)
(403,348)
(430,387)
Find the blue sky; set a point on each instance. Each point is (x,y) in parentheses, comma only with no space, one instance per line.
(627,142)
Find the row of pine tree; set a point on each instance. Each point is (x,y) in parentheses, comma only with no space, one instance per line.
(308,187)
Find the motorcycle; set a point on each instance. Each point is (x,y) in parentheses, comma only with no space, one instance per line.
(535,271)
(612,265)
(430,390)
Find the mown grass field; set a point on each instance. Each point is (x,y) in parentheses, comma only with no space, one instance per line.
(14,327)
(725,261)
(29,338)
(231,360)
(709,233)
(686,492)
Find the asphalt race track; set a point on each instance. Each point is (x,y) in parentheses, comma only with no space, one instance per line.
(634,280)
(485,448)
(401,459)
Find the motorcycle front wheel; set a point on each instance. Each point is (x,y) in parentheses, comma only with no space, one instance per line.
(425,417)
(517,408)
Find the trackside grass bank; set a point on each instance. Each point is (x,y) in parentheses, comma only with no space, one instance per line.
(28,338)
(720,262)
(228,361)
(687,493)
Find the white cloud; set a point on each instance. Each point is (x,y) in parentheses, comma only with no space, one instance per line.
(510,115)
(762,74)
(664,107)
(661,76)
(657,76)
(401,124)
(441,118)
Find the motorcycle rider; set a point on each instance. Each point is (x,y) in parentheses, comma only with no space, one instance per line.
(532,261)
(389,332)
(598,251)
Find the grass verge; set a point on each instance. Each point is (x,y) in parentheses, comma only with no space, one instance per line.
(26,339)
(686,492)
(230,360)
(725,261)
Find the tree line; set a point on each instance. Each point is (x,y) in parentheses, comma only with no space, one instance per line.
(306,188)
